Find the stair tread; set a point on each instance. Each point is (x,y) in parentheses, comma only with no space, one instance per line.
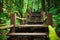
(36,25)
(27,34)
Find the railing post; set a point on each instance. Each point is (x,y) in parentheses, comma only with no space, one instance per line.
(13,22)
(49,20)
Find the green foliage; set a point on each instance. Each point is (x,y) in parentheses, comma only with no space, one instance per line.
(3,34)
(52,34)
(21,6)
(55,10)
(3,18)
(58,22)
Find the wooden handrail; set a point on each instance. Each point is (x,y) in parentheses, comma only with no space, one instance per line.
(21,18)
(5,27)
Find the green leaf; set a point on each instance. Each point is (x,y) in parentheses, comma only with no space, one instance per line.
(52,33)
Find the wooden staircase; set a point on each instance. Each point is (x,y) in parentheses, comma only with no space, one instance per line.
(33,30)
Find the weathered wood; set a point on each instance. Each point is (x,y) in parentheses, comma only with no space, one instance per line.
(21,18)
(13,19)
(20,26)
(11,26)
(34,17)
(27,34)
(14,34)
(5,27)
(13,22)
(49,20)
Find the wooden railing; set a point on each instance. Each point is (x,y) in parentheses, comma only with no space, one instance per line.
(5,27)
(13,26)
(14,17)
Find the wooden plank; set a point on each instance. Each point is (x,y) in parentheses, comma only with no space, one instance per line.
(21,18)
(49,20)
(13,19)
(32,26)
(4,27)
(13,22)
(26,34)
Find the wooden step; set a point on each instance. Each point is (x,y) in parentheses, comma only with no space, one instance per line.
(32,25)
(27,34)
